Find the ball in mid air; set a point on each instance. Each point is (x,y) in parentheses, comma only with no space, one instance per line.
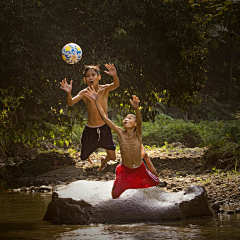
(71,53)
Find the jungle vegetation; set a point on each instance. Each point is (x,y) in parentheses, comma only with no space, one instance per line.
(181,57)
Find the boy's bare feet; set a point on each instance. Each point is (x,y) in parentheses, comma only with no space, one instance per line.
(104,161)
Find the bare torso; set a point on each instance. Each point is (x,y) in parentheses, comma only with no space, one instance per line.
(94,118)
(130,147)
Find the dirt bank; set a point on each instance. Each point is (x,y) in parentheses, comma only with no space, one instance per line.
(178,168)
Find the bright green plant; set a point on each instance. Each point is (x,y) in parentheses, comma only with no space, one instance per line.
(235,167)
(205,182)
(216,171)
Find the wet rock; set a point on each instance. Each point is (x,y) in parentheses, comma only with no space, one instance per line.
(16,190)
(162,184)
(24,189)
(45,188)
(237,210)
(216,206)
(32,189)
(87,202)
(221,210)
(183,174)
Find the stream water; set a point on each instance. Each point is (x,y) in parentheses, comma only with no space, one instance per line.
(21,217)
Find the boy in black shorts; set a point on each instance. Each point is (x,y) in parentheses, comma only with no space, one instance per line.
(96,133)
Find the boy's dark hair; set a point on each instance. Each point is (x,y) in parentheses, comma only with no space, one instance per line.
(132,115)
(95,68)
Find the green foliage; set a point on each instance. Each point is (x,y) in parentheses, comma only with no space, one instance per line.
(205,182)
(77,133)
(233,134)
(216,132)
(209,108)
(158,47)
(216,171)
(224,148)
(166,129)
(14,124)
(235,167)
(155,47)
(59,135)
(223,35)
(19,127)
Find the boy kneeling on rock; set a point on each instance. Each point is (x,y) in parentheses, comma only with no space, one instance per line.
(131,172)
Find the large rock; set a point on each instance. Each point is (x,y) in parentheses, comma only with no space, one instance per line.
(86,202)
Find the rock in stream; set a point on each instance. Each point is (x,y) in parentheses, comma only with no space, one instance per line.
(86,202)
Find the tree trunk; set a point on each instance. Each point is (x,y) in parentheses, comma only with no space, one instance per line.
(229,71)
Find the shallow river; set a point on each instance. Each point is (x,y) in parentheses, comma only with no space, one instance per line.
(21,218)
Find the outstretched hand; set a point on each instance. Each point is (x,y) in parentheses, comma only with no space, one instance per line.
(92,93)
(135,101)
(64,85)
(111,69)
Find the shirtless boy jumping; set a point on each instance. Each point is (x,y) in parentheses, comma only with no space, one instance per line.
(131,172)
(96,134)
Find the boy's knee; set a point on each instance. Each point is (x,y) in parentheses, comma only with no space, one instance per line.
(111,155)
(114,195)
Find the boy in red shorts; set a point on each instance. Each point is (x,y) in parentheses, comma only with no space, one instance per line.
(131,172)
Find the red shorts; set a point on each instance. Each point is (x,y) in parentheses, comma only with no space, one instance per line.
(127,178)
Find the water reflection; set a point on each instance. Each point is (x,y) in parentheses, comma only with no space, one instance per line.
(21,218)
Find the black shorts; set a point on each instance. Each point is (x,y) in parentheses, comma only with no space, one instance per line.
(94,138)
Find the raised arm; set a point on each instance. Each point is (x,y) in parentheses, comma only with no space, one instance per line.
(112,72)
(135,104)
(91,93)
(68,89)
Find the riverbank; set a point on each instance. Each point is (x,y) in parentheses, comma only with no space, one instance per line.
(178,168)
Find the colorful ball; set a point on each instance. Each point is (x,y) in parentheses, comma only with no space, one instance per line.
(71,53)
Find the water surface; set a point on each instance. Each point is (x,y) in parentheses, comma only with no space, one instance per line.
(21,217)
